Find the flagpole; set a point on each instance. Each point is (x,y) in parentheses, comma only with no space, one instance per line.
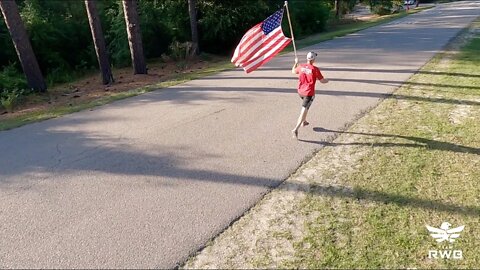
(291,29)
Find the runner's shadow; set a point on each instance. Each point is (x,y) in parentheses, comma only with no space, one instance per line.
(418,142)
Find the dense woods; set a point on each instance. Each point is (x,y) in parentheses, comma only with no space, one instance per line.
(70,38)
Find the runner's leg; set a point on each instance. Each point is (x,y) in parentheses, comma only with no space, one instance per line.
(301,119)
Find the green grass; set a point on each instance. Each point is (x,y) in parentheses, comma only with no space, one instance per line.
(181,78)
(417,167)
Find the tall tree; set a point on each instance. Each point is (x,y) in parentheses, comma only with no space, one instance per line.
(192,10)
(337,9)
(22,45)
(99,41)
(134,36)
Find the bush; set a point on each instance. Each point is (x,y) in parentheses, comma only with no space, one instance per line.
(11,78)
(180,50)
(60,34)
(116,35)
(158,34)
(383,7)
(223,23)
(9,99)
(381,10)
(160,23)
(307,17)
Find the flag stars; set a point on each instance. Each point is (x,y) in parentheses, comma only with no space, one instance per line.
(272,22)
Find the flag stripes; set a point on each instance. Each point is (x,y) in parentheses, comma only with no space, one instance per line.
(261,43)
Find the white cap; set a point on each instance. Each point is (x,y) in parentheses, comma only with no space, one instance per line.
(311,55)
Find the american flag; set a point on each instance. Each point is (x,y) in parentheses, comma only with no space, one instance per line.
(261,43)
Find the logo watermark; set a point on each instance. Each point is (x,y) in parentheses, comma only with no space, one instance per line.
(446,236)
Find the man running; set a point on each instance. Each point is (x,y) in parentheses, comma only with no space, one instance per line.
(308,76)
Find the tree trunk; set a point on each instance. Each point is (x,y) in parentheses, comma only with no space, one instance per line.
(337,9)
(22,45)
(134,36)
(99,41)
(192,10)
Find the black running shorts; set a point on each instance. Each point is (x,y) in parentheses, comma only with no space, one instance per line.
(307,101)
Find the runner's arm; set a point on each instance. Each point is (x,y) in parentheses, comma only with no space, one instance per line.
(294,68)
(320,77)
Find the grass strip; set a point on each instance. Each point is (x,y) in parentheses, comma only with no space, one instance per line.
(413,160)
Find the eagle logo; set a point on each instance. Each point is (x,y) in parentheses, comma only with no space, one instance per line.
(444,233)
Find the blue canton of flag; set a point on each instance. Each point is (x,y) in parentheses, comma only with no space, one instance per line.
(272,22)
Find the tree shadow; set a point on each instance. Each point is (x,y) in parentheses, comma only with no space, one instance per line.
(87,154)
(397,83)
(419,142)
(397,96)
(404,71)
(326,92)
(389,198)
(378,82)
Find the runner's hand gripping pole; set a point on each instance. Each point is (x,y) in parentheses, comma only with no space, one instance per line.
(291,31)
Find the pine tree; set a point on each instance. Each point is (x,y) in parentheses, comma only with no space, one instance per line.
(192,10)
(22,45)
(134,36)
(99,41)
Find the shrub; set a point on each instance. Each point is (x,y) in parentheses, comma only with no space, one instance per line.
(382,7)
(10,98)
(223,23)
(381,10)
(116,35)
(11,78)
(307,17)
(180,50)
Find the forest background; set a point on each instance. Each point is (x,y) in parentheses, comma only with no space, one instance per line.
(61,40)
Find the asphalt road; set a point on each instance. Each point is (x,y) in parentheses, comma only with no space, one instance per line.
(144,182)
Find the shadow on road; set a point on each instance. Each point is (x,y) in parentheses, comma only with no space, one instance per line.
(405,71)
(379,82)
(170,166)
(327,92)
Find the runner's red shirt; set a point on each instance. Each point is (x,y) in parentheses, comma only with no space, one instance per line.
(308,75)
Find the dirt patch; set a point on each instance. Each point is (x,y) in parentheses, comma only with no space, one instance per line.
(459,114)
(91,88)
